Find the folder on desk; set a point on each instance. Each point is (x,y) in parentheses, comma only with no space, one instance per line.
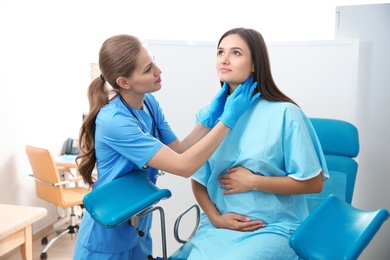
(66,158)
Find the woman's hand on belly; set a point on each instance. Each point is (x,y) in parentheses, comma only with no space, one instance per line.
(236,180)
(237,222)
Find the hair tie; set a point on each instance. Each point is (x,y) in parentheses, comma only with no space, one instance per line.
(102,77)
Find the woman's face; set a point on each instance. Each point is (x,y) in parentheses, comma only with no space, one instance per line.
(234,64)
(146,78)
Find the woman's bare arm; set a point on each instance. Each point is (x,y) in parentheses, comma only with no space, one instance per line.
(240,179)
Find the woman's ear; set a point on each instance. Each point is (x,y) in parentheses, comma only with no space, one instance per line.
(123,82)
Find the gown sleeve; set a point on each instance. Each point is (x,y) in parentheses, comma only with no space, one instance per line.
(304,158)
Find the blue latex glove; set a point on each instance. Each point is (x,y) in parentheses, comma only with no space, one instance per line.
(210,118)
(239,102)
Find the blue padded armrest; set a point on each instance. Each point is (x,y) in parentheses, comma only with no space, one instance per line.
(336,230)
(116,202)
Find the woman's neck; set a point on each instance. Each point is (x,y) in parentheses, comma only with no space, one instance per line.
(232,88)
(134,101)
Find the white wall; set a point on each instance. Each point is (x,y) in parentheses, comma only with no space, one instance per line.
(373,110)
(46,48)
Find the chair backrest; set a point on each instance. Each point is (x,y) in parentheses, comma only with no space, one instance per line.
(336,230)
(45,173)
(340,143)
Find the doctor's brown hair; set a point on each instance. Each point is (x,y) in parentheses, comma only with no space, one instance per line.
(117,58)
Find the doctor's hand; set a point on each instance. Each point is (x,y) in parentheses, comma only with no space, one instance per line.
(239,102)
(237,222)
(236,180)
(210,118)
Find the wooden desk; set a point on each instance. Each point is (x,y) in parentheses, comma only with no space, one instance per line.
(16,228)
(68,161)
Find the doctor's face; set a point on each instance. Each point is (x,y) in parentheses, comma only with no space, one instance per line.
(146,78)
(234,63)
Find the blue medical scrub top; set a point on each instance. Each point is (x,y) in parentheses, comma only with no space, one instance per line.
(271,139)
(124,140)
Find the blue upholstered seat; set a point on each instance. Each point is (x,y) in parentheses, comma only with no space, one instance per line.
(336,230)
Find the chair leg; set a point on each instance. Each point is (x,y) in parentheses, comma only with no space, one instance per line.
(44,240)
(72,229)
(52,241)
(162,226)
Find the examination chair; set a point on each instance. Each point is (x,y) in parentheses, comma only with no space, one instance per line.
(51,187)
(334,230)
(340,143)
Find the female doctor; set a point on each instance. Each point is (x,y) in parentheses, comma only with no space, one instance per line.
(125,129)
(251,189)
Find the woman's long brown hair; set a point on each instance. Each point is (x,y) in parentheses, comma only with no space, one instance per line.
(262,74)
(117,58)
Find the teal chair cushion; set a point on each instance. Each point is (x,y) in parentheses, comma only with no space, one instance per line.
(116,202)
(337,137)
(336,230)
(340,143)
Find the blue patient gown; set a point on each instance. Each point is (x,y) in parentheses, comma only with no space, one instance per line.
(271,139)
